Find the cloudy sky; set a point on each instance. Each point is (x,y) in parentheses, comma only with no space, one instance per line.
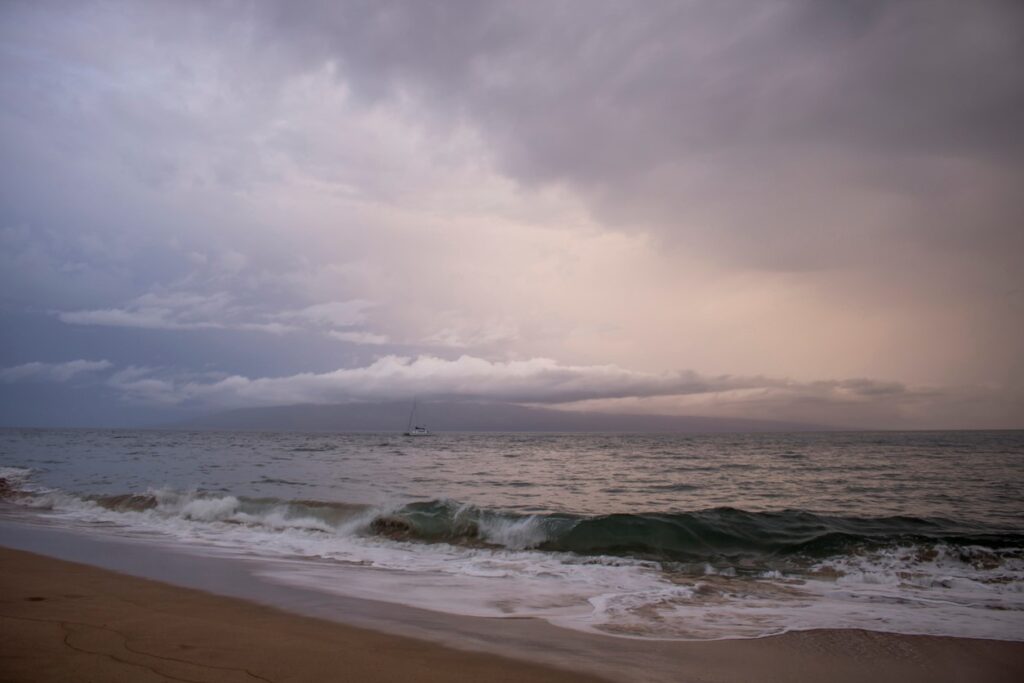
(796,210)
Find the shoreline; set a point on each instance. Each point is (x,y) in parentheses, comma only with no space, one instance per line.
(114,626)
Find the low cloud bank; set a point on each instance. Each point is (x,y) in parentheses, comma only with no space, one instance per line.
(537,380)
(52,372)
(854,403)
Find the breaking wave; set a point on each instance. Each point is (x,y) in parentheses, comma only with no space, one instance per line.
(748,541)
(659,574)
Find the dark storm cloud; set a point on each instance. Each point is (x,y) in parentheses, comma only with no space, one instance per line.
(792,123)
(788,135)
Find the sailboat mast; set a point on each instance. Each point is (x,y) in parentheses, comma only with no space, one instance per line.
(411,414)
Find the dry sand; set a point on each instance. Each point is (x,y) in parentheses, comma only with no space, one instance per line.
(61,621)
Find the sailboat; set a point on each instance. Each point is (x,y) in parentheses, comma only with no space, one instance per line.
(418,430)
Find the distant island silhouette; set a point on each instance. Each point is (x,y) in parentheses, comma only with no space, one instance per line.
(468,416)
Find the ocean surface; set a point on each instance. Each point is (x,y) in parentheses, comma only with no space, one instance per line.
(641,536)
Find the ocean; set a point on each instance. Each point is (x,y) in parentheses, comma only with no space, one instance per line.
(670,537)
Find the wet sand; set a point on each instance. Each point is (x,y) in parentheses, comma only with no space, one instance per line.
(63,621)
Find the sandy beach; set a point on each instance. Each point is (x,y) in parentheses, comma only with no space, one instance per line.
(64,621)
(70,622)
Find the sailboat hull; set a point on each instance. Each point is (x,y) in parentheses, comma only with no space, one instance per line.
(418,430)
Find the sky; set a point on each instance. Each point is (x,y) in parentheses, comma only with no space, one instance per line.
(797,210)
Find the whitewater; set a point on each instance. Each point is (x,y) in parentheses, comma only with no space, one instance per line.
(654,537)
